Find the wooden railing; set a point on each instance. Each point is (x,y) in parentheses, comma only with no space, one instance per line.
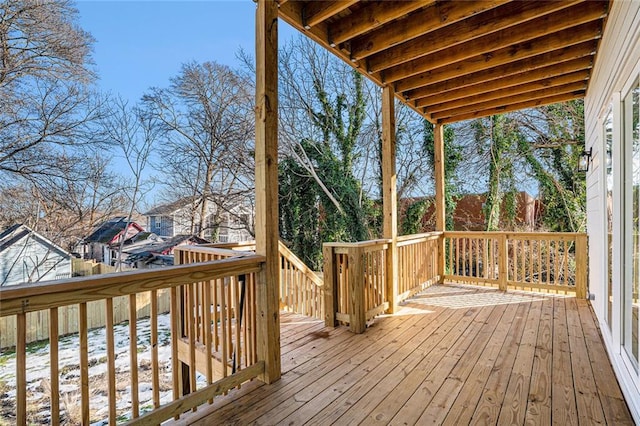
(417,263)
(301,289)
(355,282)
(551,261)
(108,381)
(355,273)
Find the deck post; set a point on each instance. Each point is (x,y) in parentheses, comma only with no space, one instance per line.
(503,261)
(330,287)
(266,181)
(581,266)
(438,163)
(389,195)
(358,320)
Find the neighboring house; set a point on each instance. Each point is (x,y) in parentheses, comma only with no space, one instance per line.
(152,251)
(182,217)
(469,212)
(102,244)
(612,136)
(26,256)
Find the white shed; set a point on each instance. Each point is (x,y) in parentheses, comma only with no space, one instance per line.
(26,256)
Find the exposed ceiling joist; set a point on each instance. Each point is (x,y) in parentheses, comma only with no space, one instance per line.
(515,45)
(556,57)
(505,16)
(371,16)
(573,87)
(315,12)
(517,89)
(540,76)
(515,107)
(451,60)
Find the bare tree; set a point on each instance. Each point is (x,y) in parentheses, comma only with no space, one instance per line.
(46,107)
(133,133)
(205,119)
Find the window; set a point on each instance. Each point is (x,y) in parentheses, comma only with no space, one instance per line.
(631,221)
(608,145)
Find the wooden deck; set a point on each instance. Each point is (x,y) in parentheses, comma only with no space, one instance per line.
(453,355)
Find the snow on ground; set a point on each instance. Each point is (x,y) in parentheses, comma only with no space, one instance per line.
(38,384)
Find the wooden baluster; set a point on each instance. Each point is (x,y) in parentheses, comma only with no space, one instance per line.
(228,287)
(565,261)
(216,316)
(523,267)
(155,370)
(84,362)
(207,332)
(53,363)
(21,369)
(111,360)
(223,327)
(236,303)
(556,261)
(191,335)
(133,355)
(176,333)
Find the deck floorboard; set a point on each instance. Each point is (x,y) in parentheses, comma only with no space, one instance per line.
(452,355)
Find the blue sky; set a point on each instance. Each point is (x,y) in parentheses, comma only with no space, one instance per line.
(140,44)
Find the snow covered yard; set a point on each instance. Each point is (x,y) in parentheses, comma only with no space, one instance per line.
(38,385)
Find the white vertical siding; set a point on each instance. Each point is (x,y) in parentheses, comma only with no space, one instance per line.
(616,62)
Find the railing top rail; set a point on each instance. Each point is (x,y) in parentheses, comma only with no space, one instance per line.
(513,234)
(51,294)
(231,246)
(359,244)
(291,257)
(420,237)
(213,250)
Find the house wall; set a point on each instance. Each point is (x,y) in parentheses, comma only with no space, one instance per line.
(28,260)
(617,63)
(161,225)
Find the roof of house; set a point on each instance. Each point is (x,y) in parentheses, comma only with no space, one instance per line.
(109,229)
(170,208)
(17,232)
(158,246)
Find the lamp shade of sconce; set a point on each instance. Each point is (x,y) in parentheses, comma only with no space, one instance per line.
(585,160)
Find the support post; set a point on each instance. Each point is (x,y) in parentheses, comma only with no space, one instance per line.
(503,261)
(330,287)
(389,195)
(438,162)
(266,159)
(358,320)
(581,266)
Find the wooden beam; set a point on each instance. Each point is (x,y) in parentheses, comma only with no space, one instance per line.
(438,15)
(266,153)
(389,194)
(541,77)
(579,86)
(509,91)
(496,49)
(438,164)
(371,16)
(523,65)
(508,15)
(515,107)
(316,11)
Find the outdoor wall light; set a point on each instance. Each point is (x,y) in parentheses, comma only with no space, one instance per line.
(585,160)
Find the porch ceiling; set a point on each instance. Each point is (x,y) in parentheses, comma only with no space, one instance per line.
(458,60)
